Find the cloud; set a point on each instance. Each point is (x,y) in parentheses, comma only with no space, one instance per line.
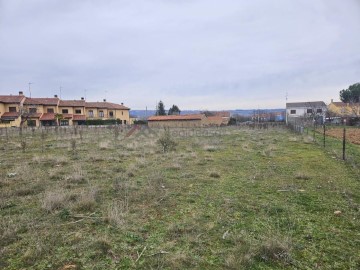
(203,54)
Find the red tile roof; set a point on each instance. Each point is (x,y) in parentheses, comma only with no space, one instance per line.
(42,101)
(222,114)
(176,117)
(34,115)
(72,103)
(10,115)
(47,117)
(79,117)
(105,105)
(11,99)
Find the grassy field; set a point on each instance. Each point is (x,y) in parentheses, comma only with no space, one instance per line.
(224,199)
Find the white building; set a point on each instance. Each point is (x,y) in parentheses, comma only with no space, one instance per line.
(311,110)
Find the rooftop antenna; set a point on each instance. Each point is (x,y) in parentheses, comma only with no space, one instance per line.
(286,96)
(30,83)
(85,93)
(105,94)
(60,91)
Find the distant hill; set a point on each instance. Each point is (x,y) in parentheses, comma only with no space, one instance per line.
(143,114)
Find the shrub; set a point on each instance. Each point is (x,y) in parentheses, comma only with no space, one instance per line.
(101,122)
(166,142)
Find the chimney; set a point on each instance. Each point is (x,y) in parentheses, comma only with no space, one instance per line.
(122,103)
(104,99)
(82,98)
(21,93)
(55,96)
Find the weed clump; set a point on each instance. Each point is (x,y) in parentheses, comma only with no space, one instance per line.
(214,175)
(166,142)
(23,146)
(73,145)
(274,250)
(302,176)
(54,200)
(116,213)
(87,200)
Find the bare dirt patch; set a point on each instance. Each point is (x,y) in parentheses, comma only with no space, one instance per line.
(352,134)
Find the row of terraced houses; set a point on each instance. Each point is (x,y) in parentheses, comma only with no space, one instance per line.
(19,110)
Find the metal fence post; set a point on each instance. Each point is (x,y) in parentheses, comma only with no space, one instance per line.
(344,144)
(314,131)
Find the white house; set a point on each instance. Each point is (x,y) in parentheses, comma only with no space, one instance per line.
(314,110)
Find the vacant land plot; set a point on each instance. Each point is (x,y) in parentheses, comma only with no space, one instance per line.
(224,199)
(352,134)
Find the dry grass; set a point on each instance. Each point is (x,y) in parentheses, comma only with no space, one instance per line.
(55,200)
(8,231)
(302,176)
(231,202)
(210,148)
(117,212)
(77,176)
(86,201)
(104,145)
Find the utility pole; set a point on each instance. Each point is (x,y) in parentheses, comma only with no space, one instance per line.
(30,83)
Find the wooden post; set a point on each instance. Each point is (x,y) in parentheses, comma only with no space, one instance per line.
(324,134)
(344,144)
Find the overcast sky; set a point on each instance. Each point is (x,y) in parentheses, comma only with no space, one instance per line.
(198,54)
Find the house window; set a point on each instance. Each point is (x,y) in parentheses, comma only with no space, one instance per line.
(101,113)
(309,110)
(319,110)
(65,111)
(91,113)
(122,113)
(32,110)
(12,109)
(292,111)
(125,122)
(111,114)
(64,122)
(31,123)
(78,111)
(50,110)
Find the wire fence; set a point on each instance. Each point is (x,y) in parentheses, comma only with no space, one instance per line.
(341,142)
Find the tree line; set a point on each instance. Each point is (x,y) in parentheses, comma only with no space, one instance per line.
(160,109)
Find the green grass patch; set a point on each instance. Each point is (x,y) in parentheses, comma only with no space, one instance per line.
(223,199)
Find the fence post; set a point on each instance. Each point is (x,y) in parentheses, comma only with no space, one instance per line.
(314,131)
(344,138)
(324,134)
